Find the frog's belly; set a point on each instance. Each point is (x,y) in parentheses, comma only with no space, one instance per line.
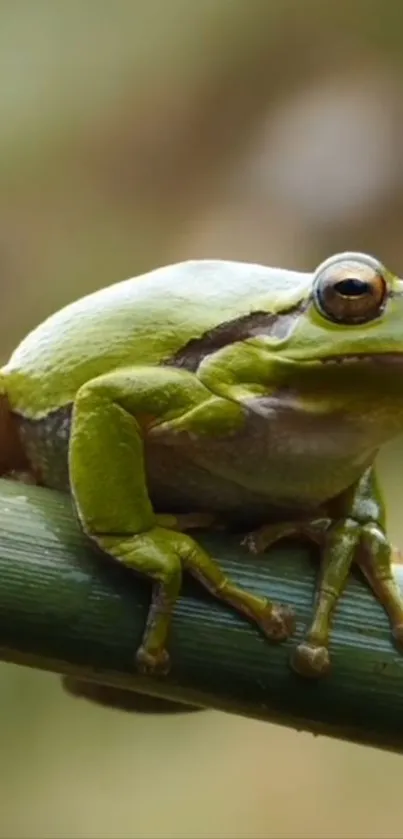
(272,463)
(266,466)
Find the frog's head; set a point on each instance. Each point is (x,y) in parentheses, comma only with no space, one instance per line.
(347,339)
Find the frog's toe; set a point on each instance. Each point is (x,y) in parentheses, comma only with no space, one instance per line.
(310,660)
(153,664)
(278,623)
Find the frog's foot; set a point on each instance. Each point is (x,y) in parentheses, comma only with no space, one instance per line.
(274,620)
(277,622)
(310,660)
(155,663)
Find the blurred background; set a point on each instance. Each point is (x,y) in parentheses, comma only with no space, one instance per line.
(140,133)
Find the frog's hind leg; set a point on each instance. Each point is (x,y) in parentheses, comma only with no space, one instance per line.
(111,415)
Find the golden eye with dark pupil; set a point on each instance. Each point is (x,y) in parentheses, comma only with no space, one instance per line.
(350,290)
(352,287)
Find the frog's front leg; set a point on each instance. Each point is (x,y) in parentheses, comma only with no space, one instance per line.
(311,657)
(357,534)
(111,416)
(338,541)
(375,558)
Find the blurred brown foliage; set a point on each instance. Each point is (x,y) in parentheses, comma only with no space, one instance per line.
(138,133)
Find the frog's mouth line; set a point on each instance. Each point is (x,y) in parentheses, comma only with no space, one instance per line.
(381,359)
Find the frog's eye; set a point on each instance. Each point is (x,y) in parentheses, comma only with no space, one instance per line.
(350,289)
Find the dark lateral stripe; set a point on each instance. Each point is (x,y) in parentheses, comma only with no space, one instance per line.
(247,326)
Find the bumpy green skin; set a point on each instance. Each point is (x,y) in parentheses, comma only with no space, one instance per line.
(217,390)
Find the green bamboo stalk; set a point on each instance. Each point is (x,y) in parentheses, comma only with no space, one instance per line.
(67,609)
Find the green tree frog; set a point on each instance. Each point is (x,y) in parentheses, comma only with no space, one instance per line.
(219,391)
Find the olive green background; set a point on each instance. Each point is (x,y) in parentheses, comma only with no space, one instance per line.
(133,134)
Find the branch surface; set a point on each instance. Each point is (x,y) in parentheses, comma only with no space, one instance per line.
(66,609)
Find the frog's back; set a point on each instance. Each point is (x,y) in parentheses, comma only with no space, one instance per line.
(144,320)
